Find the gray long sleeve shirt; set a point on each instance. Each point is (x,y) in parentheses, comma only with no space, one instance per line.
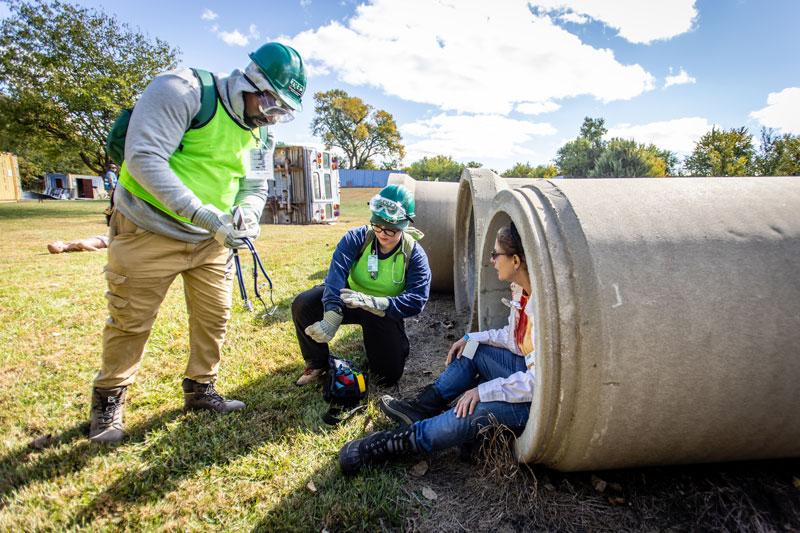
(160,119)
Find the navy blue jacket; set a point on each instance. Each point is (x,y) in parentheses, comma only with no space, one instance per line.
(418,277)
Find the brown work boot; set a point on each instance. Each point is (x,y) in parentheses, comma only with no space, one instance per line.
(106,415)
(204,396)
(309,375)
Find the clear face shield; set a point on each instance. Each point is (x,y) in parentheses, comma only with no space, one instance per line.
(272,109)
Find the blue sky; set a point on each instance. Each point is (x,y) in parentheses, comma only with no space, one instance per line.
(507,81)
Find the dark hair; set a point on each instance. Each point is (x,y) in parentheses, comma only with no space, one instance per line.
(509,239)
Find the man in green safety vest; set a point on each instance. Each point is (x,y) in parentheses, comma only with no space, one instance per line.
(172,215)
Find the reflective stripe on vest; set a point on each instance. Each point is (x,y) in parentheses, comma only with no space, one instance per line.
(210,163)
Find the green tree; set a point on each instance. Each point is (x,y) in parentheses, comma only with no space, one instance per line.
(526,170)
(722,153)
(627,158)
(577,158)
(354,126)
(778,155)
(436,168)
(66,72)
(474,164)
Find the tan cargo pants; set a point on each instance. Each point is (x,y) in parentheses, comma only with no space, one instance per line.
(141,267)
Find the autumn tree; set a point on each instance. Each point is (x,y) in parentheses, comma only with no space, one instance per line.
(66,71)
(722,153)
(362,132)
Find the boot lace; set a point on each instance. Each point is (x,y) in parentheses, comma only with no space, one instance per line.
(110,407)
(211,393)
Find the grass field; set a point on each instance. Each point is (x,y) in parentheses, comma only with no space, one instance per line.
(178,471)
(273,466)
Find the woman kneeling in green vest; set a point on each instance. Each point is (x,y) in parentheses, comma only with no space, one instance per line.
(378,276)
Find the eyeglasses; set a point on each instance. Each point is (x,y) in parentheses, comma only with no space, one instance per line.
(388,232)
(272,108)
(494,254)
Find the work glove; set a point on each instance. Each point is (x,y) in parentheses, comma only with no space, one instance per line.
(324,330)
(220,225)
(252,228)
(376,305)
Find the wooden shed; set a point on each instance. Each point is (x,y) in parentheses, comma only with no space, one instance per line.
(10,189)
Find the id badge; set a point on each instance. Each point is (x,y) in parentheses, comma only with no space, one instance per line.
(372,265)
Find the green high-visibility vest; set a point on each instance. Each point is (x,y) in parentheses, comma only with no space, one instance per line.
(391,279)
(210,162)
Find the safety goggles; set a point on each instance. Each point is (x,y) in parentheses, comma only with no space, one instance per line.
(389,210)
(272,108)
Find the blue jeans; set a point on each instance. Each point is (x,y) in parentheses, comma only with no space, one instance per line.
(446,430)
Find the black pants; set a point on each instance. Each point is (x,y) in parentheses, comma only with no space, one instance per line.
(384,338)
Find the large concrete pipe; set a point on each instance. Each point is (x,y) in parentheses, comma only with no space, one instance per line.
(436,206)
(668,319)
(476,191)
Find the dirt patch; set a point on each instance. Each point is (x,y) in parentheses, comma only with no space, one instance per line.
(488,490)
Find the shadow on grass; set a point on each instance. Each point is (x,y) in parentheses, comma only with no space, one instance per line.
(19,469)
(204,439)
(319,275)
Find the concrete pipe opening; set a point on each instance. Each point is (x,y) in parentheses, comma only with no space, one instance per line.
(476,191)
(435,217)
(667,323)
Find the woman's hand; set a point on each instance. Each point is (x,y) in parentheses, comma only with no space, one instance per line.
(455,351)
(466,404)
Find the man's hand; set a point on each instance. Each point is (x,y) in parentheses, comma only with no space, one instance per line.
(455,351)
(220,225)
(466,404)
(324,330)
(252,228)
(376,305)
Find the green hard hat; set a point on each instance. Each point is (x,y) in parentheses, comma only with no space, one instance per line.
(283,68)
(393,207)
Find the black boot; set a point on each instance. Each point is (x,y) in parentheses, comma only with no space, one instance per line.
(204,396)
(376,448)
(106,424)
(428,403)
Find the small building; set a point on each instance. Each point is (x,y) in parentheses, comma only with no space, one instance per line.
(351,177)
(10,188)
(73,186)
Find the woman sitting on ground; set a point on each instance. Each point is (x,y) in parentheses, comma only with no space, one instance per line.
(495,384)
(378,276)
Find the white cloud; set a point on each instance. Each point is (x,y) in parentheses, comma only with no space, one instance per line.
(638,21)
(537,108)
(474,137)
(682,77)
(235,37)
(573,17)
(474,56)
(782,111)
(208,15)
(305,3)
(678,135)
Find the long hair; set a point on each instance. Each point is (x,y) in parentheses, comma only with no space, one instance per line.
(509,239)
